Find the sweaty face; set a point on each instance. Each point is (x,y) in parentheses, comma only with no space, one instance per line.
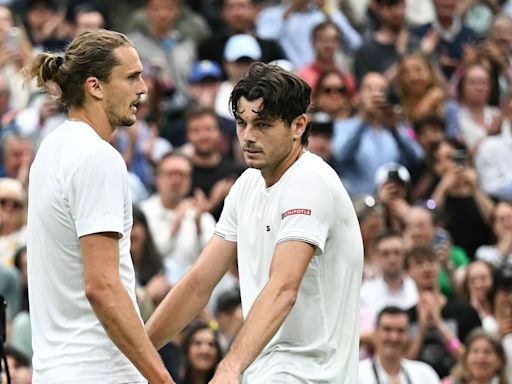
(266,142)
(123,90)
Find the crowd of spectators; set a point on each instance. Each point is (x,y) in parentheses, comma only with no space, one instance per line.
(411,105)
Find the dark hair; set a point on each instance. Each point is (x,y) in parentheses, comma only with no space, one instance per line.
(285,96)
(324,25)
(419,253)
(428,120)
(390,310)
(386,234)
(199,111)
(151,264)
(185,348)
(89,55)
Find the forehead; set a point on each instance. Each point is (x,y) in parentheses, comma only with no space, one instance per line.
(396,320)
(175,162)
(128,59)
(249,110)
(390,241)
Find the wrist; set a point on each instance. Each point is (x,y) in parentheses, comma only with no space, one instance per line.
(453,345)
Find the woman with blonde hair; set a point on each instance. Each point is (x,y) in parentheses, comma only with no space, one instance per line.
(483,361)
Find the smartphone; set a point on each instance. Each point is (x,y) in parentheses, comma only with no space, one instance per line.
(459,158)
(441,238)
(13,38)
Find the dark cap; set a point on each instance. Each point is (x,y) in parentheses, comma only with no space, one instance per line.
(228,300)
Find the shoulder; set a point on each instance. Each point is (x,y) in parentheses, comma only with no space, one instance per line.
(420,371)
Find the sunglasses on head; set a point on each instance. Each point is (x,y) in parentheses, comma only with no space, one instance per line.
(334,90)
(11,204)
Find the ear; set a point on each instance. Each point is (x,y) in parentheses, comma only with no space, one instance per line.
(299,126)
(93,88)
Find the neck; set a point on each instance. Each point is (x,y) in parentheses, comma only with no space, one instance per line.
(445,22)
(159,33)
(198,377)
(206,160)
(390,365)
(272,176)
(169,203)
(394,282)
(386,35)
(326,62)
(97,121)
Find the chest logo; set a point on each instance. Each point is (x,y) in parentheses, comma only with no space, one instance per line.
(267,228)
(296,211)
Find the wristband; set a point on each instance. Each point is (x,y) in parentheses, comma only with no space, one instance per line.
(453,344)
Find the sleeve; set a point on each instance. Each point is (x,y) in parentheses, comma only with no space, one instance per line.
(98,189)
(346,140)
(351,37)
(306,209)
(490,254)
(227,226)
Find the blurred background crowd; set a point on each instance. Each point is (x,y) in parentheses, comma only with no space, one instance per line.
(411,105)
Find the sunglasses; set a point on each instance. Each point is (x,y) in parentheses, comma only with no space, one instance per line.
(334,90)
(10,204)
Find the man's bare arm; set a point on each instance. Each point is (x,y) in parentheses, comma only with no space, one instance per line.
(114,308)
(269,311)
(192,292)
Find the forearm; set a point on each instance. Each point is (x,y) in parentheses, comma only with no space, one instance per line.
(117,314)
(177,310)
(265,318)
(484,204)
(416,344)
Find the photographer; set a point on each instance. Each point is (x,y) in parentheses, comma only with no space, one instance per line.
(467,209)
(370,139)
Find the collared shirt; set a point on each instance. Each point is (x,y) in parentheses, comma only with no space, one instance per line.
(411,372)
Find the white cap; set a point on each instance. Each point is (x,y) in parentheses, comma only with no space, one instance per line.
(239,46)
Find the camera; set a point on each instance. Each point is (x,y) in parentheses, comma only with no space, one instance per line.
(459,158)
(393,175)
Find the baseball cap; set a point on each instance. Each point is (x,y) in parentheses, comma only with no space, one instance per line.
(205,69)
(392,172)
(241,46)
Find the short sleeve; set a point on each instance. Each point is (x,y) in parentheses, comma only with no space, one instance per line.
(98,188)
(227,226)
(306,209)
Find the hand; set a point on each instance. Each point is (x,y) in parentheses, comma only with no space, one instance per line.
(494,128)
(401,41)
(220,190)
(429,42)
(180,211)
(223,375)
(157,287)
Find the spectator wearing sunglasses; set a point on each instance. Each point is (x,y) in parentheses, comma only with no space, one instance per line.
(333,95)
(12,219)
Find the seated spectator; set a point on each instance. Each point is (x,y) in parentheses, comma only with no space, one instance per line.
(333,95)
(13,217)
(430,131)
(180,225)
(466,208)
(477,119)
(494,172)
(438,324)
(320,137)
(205,80)
(229,317)
(17,156)
(152,284)
(240,52)
(391,287)
(327,43)
(19,368)
(292,23)
(389,364)
(421,231)
(371,221)
(372,138)
(483,361)
(500,252)
(421,91)
(445,36)
(476,289)
(393,183)
(238,17)
(201,354)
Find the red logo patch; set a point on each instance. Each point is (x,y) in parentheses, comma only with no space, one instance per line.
(297,211)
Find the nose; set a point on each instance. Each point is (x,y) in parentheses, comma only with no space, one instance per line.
(248,134)
(143,88)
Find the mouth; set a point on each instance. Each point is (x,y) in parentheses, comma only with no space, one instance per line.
(135,105)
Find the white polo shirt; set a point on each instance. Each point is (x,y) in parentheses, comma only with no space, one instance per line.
(318,341)
(78,186)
